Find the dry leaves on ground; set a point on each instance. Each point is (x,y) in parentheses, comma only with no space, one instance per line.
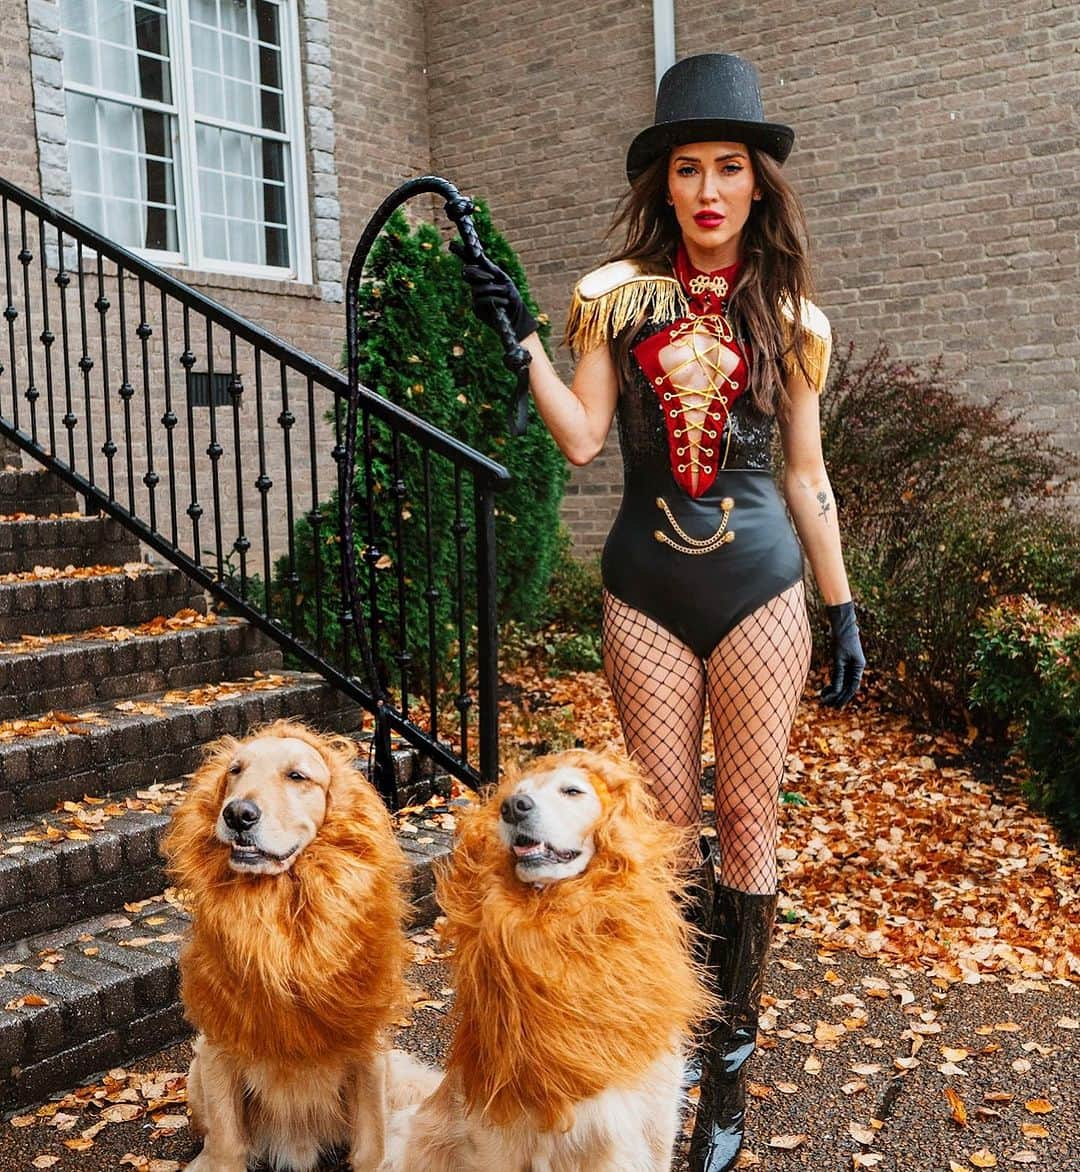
(890,846)
(158,1098)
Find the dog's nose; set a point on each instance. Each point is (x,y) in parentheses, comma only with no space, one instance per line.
(241,815)
(517,808)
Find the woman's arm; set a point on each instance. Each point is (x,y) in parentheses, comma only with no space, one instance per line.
(578,416)
(808,492)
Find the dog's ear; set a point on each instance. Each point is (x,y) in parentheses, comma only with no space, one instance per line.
(210,777)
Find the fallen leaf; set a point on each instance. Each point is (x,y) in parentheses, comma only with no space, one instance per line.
(953,1055)
(787,1143)
(1030,1130)
(861,1134)
(983,1159)
(1024,1157)
(956,1107)
(44,1161)
(866,1159)
(1039,1106)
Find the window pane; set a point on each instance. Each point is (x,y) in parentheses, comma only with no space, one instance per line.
(80,59)
(124,154)
(245,203)
(215,238)
(77,15)
(267,20)
(240,102)
(118,70)
(121,46)
(116,22)
(81,118)
(238,69)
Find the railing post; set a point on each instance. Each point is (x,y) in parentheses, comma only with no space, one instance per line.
(487,634)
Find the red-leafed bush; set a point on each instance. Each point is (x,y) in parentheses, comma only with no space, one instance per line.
(945,506)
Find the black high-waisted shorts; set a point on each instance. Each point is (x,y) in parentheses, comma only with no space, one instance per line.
(700,596)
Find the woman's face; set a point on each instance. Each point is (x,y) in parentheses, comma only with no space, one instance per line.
(711,186)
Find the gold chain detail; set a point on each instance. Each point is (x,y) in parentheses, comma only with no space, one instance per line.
(696,545)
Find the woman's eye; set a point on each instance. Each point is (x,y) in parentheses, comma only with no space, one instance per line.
(685,169)
(732,168)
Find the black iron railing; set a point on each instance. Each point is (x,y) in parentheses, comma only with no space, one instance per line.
(222,448)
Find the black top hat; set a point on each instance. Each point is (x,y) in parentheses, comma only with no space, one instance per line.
(713,97)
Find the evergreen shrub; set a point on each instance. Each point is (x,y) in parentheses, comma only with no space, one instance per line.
(422,348)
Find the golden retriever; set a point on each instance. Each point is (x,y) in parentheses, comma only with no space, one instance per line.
(294,969)
(575,988)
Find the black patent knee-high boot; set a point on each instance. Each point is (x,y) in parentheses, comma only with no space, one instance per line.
(698,911)
(701,896)
(741,929)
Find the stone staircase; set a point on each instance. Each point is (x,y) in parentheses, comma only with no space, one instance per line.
(95,743)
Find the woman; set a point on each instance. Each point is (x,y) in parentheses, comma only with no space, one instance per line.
(692,335)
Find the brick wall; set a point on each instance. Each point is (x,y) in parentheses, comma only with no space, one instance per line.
(936,153)
(533,111)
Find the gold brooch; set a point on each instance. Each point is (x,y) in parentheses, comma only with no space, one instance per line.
(700,283)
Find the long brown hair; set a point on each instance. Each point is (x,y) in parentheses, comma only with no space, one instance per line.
(775,272)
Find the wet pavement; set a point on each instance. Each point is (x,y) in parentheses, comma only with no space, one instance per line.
(856,1058)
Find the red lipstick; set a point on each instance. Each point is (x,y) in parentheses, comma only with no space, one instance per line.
(709,219)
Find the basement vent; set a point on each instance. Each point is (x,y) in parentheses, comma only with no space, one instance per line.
(200,387)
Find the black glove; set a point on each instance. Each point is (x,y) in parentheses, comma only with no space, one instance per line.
(491,289)
(848,660)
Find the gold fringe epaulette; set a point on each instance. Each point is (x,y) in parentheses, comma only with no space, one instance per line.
(613,297)
(817,344)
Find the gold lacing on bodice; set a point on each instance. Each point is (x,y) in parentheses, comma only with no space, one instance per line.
(697,390)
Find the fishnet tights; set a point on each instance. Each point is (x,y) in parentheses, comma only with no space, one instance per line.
(752,682)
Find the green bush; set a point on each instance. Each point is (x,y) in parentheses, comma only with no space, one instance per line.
(1027,676)
(573,600)
(422,348)
(945,506)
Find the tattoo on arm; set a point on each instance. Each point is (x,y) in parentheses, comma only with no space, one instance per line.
(826,505)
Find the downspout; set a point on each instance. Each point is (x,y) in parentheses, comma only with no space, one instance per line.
(663,19)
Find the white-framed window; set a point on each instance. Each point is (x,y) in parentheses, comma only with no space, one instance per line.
(184,123)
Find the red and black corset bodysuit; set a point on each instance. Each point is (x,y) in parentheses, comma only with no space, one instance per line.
(702,537)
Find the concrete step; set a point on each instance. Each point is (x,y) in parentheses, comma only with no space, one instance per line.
(63,541)
(35,491)
(97,854)
(146,740)
(55,602)
(11,455)
(112,663)
(105,991)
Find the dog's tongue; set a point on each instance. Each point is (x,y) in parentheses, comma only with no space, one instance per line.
(524,852)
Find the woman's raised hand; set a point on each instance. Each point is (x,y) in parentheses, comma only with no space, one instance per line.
(492,289)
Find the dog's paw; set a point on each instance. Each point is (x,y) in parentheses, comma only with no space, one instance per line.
(207,1163)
